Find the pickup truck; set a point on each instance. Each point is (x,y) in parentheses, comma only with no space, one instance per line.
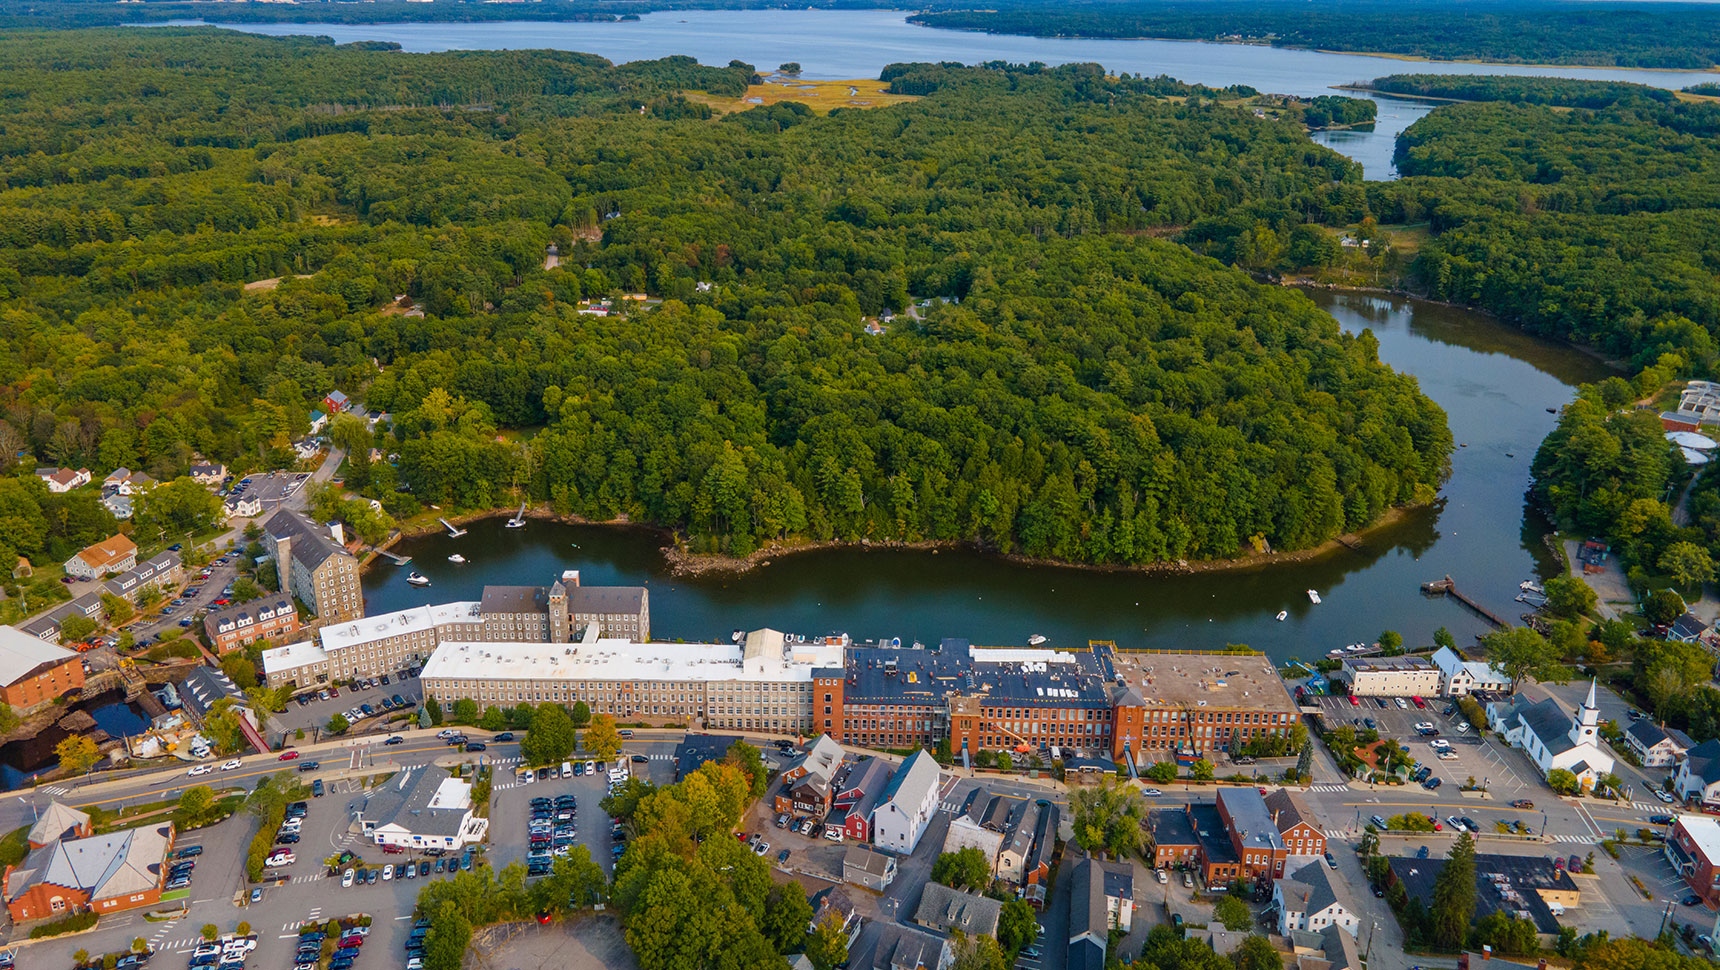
(1522,803)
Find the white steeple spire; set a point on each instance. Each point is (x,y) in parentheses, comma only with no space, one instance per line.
(1587,724)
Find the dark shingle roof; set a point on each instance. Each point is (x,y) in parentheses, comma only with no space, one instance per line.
(1550,723)
(606,599)
(514,599)
(311,543)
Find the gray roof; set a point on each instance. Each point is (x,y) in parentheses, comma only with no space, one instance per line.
(56,821)
(1550,723)
(912,782)
(1645,732)
(1288,809)
(945,909)
(116,864)
(1250,819)
(311,543)
(868,776)
(144,573)
(1340,948)
(405,801)
(1089,921)
(1044,837)
(1020,841)
(206,685)
(268,607)
(606,599)
(514,599)
(905,948)
(1312,889)
(1171,826)
(23,655)
(866,859)
(1703,761)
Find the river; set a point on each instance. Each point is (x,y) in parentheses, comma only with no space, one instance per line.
(1494,382)
(843,44)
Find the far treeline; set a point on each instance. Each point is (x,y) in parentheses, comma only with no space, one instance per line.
(1070,387)
(1682,36)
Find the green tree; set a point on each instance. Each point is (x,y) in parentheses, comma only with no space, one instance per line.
(602,739)
(76,628)
(827,947)
(239,670)
(1443,638)
(1017,926)
(1569,597)
(1162,772)
(1233,913)
(787,913)
(551,737)
(446,941)
(77,754)
(117,608)
(1689,564)
(978,953)
(466,711)
(1520,652)
(338,724)
(1257,953)
(1201,770)
(1108,818)
(1452,902)
(1391,642)
(211,931)
(193,808)
(245,590)
(965,868)
(1563,782)
(433,708)
(493,719)
(1662,607)
(581,714)
(747,758)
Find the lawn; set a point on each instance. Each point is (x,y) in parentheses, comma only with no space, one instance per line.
(820,96)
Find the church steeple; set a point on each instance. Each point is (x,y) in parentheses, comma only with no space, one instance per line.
(1587,724)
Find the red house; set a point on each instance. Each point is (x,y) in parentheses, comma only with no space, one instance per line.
(1694,850)
(858,795)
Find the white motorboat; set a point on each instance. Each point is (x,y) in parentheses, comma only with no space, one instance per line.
(457,558)
(519,519)
(418,579)
(1314,597)
(1035,640)
(1282,614)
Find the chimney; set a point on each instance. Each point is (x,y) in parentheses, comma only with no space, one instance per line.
(335,529)
(1486,952)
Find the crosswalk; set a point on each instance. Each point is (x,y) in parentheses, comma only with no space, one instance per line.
(1337,834)
(55,789)
(1574,839)
(661,757)
(1329,788)
(1654,807)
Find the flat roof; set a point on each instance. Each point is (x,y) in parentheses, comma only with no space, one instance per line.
(21,654)
(1214,680)
(1024,677)
(1704,831)
(1365,664)
(292,656)
(605,659)
(367,629)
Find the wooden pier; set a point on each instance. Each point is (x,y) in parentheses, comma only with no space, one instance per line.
(452,532)
(391,557)
(1448,587)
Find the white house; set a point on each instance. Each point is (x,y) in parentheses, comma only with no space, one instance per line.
(1698,778)
(968,830)
(1657,746)
(1312,900)
(1459,676)
(1554,739)
(907,805)
(422,808)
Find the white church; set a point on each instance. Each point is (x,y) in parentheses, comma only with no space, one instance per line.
(1554,739)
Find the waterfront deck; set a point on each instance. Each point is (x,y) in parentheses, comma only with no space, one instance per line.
(1448,587)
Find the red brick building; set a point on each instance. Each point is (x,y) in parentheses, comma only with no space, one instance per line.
(33,671)
(274,617)
(1693,848)
(101,873)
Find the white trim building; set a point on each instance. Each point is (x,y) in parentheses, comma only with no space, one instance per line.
(1458,676)
(907,805)
(422,808)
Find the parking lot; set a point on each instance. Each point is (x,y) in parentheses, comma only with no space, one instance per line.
(1471,754)
(315,712)
(510,809)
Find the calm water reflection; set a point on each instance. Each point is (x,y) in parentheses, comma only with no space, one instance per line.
(1494,383)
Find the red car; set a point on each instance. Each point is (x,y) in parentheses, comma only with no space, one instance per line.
(543,917)
(288,755)
(1354,702)
(1419,702)
(221,602)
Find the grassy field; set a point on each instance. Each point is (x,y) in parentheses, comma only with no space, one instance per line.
(820,96)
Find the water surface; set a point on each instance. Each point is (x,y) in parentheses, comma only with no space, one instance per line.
(1494,382)
(838,44)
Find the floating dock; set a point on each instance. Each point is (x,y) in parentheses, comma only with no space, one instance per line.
(391,557)
(453,533)
(1448,587)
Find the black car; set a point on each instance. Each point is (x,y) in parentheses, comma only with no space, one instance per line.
(288,838)
(317,788)
(1660,819)
(476,746)
(504,736)
(394,739)
(423,869)
(309,766)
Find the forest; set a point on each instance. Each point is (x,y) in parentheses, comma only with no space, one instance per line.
(1526,89)
(1054,380)
(1683,36)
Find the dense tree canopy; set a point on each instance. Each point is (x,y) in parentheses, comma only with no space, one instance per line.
(1070,388)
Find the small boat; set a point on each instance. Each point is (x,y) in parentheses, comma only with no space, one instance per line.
(1035,640)
(457,558)
(418,579)
(1530,586)
(1282,614)
(1314,597)
(519,519)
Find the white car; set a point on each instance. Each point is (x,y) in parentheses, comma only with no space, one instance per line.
(346,879)
(279,859)
(387,873)
(591,767)
(833,833)
(200,770)
(761,848)
(1402,704)
(1151,792)
(229,766)
(1663,796)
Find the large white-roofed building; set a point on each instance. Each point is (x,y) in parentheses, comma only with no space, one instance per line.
(765,685)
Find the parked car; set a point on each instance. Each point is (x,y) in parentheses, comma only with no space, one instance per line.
(288,755)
